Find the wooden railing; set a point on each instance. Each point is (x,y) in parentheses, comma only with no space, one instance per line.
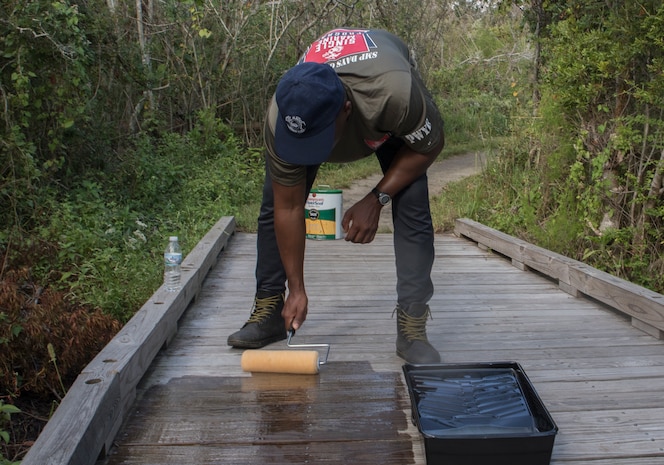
(645,307)
(85,424)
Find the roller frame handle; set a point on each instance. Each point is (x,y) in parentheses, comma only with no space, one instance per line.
(323,361)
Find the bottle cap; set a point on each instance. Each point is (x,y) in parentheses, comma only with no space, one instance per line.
(173,238)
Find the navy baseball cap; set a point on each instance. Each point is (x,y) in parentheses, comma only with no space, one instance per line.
(309,97)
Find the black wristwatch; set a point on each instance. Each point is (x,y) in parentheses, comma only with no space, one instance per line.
(383,198)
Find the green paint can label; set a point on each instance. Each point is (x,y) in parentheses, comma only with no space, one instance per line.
(322,213)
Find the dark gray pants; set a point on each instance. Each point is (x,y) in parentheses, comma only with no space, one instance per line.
(413,236)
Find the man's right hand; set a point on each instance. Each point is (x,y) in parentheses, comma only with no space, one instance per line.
(295,310)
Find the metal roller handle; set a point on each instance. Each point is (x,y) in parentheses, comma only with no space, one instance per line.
(291,333)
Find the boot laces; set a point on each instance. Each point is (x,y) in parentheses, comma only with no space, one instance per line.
(413,328)
(263,308)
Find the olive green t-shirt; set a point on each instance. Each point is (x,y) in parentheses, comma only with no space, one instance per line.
(387,94)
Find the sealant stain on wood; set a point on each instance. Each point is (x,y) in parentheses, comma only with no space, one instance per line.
(348,414)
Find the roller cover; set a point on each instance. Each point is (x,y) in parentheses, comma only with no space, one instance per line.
(303,362)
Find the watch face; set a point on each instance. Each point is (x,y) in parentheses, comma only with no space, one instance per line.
(384,199)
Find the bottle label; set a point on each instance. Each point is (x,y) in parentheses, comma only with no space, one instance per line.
(172,258)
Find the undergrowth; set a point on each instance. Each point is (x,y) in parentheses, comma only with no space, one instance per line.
(529,190)
(95,255)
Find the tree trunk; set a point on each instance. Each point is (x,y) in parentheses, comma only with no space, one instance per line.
(145,57)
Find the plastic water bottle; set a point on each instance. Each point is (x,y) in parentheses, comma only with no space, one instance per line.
(172,261)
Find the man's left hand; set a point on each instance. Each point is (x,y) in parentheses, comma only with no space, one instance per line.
(360,221)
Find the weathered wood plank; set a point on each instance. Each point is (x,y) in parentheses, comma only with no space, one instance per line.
(87,420)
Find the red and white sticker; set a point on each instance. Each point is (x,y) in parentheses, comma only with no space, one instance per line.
(340,44)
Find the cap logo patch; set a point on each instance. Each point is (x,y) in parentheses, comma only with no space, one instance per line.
(295,124)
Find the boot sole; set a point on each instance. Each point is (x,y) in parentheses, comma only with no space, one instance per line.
(405,359)
(256,344)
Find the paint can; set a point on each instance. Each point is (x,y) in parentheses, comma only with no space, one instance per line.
(322,213)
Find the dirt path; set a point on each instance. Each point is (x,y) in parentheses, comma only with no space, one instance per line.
(440,173)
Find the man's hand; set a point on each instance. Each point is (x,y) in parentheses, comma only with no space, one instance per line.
(360,221)
(295,310)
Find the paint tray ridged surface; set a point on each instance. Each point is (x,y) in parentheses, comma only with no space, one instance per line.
(479,401)
(469,414)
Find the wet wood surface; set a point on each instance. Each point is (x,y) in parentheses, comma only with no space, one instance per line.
(600,378)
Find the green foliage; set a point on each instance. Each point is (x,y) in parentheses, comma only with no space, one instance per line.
(6,411)
(13,329)
(584,178)
(484,83)
(461,199)
(109,233)
(100,245)
(48,93)
(46,53)
(599,67)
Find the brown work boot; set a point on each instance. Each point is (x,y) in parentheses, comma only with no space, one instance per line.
(264,326)
(412,343)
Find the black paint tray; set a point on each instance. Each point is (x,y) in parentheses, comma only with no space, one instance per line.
(477,414)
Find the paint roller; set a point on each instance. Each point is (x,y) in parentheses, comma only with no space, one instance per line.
(304,362)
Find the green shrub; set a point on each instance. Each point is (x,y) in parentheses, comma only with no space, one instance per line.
(6,411)
(105,236)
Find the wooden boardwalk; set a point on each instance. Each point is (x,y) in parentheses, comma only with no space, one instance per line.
(601,378)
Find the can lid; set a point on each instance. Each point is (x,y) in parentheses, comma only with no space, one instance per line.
(319,190)
(173,238)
